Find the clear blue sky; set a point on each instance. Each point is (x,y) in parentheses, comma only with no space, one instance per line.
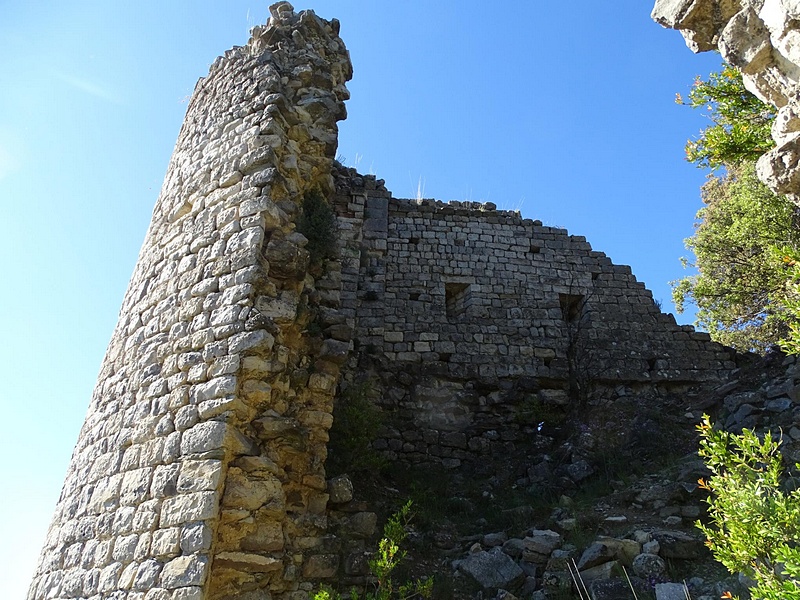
(566,114)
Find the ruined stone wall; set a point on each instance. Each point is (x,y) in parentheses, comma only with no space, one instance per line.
(198,473)
(468,316)
(762,39)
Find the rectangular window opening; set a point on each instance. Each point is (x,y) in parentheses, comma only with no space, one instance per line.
(571,306)
(457,298)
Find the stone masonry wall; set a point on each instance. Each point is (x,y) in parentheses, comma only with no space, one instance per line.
(762,39)
(467,315)
(198,473)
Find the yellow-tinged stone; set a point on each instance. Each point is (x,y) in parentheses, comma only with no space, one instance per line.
(265,537)
(245,561)
(257,391)
(321,382)
(247,493)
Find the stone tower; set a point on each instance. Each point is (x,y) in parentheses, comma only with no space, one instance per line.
(178,488)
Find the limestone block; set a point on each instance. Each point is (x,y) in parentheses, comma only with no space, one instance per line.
(195,537)
(109,577)
(166,542)
(492,570)
(670,591)
(316,419)
(649,565)
(151,452)
(245,493)
(135,486)
(322,382)
(127,576)
(73,583)
(146,575)
(199,475)
(224,365)
(218,387)
(321,566)
(106,494)
(247,562)
(188,593)
(213,435)
(334,351)
(267,537)
(596,554)
(678,544)
(359,526)
(602,571)
(539,544)
(257,392)
(281,309)
(196,506)
(340,489)
(260,464)
(124,547)
(211,409)
(185,571)
(745,42)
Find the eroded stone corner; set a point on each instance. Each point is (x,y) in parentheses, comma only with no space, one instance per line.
(762,39)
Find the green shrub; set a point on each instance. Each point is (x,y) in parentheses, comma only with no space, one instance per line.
(386,560)
(317,222)
(755,525)
(790,258)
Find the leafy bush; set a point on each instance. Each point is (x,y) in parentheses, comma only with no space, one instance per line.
(755,525)
(740,122)
(740,290)
(741,287)
(386,560)
(317,222)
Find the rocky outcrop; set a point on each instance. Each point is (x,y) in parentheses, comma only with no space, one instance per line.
(762,39)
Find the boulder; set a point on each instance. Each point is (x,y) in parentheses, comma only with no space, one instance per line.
(670,591)
(649,565)
(492,570)
(596,554)
(539,544)
(340,489)
(680,545)
(617,589)
(602,571)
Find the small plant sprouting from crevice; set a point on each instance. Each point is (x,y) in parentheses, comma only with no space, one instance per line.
(317,222)
(383,565)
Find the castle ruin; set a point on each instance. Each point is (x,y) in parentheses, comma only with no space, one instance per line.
(199,473)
